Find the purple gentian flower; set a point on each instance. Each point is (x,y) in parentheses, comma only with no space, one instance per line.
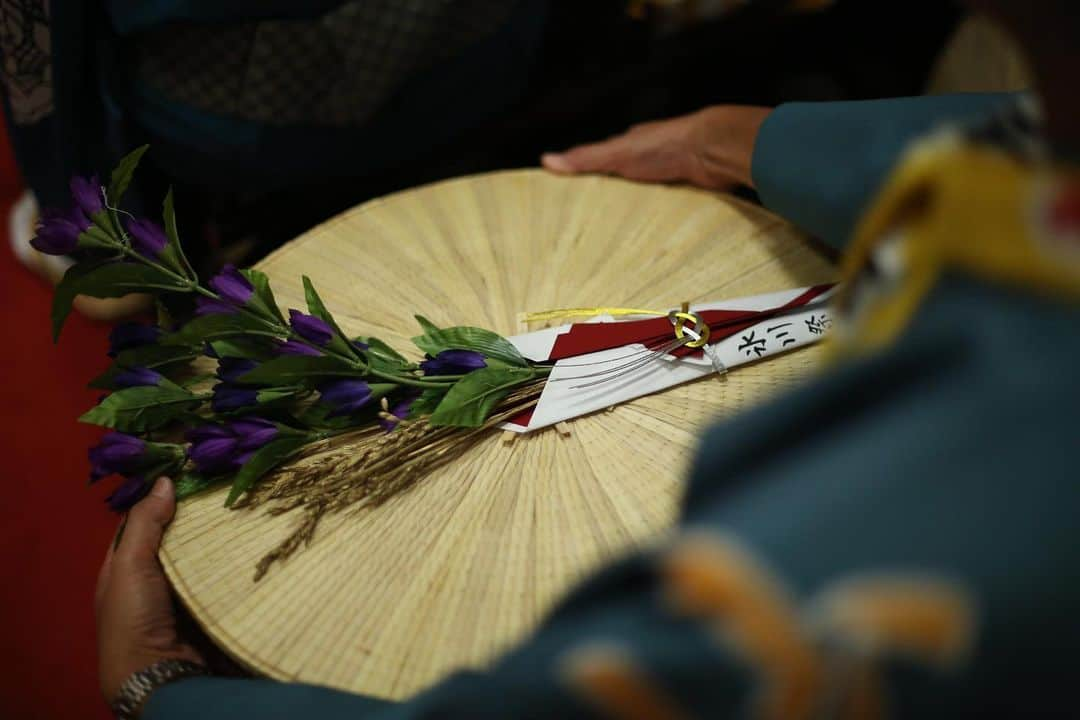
(131,335)
(252,432)
(147,237)
(230,369)
(199,433)
(58,234)
(453,362)
(228,398)
(223,448)
(137,377)
(213,306)
(311,328)
(213,448)
(232,286)
(345,396)
(87,194)
(399,410)
(130,492)
(116,453)
(295,347)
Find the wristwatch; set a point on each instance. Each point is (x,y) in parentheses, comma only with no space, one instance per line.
(137,688)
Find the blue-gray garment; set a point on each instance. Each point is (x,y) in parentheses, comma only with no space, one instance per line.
(820,164)
(951,454)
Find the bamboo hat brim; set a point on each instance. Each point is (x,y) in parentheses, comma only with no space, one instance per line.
(388,601)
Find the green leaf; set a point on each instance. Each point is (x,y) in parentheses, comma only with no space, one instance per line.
(471,399)
(271,395)
(316,416)
(264,295)
(253,348)
(191,483)
(121,176)
(426,403)
(173,254)
(293,369)
(105,280)
(315,307)
(66,290)
(263,461)
(216,326)
(426,325)
(151,356)
(383,357)
(485,342)
(139,409)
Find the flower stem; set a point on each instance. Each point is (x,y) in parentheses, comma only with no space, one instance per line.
(405,380)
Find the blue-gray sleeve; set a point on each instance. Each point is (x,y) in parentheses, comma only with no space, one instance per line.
(234,698)
(819,164)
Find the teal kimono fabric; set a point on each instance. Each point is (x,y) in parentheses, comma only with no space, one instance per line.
(911,515)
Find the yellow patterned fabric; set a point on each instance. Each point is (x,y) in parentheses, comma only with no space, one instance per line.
(956,207)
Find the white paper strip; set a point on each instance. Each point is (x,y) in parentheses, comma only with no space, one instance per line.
(568,394)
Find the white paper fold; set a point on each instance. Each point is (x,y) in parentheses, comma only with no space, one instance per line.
(569,394)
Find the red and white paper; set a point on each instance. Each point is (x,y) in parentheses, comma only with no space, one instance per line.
(741,331)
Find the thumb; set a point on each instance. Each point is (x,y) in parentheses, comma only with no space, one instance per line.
(146,523)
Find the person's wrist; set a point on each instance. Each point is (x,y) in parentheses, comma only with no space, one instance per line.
(729,134)
(136,689)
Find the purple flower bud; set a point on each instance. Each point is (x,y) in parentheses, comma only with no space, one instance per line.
(345,396)
(223,448)
(453,362)
(311,328)
(130,492)
(359,345)
(228,398)
(59,234)
(201,433)
(399,410)
(116,453)
(147,237)
(232,286)
(86,192)
(252,432)
(230,369)
(295,347)
(136,377)
(213,455)
(211,306)
(131,335)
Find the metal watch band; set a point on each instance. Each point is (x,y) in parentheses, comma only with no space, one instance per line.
(137,688)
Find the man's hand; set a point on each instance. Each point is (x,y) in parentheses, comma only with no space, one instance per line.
(711,148)
(136,624)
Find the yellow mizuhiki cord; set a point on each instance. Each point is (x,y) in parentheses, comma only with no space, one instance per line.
(960,207)
(677,319)
(582,312)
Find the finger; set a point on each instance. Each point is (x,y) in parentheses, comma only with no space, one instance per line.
(106,567)
(146,523)
(597,157)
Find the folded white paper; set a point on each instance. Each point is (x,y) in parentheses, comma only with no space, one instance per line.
(574,387)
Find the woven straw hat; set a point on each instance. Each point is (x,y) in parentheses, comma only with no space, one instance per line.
(390,600)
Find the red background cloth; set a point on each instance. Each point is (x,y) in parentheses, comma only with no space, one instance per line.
(53,530)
